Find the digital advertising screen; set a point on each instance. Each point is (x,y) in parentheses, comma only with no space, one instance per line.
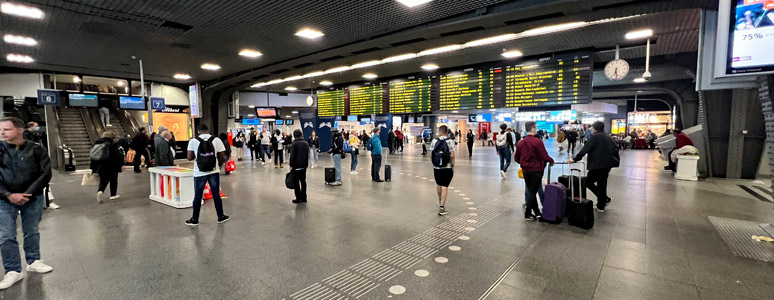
(177,123)
(366,100)
(474,88)
(135,103)
(279,122)
(251,121)
(288,122)
(83,100)
(269,112)
(549,81)
(751,37)
(410,96)
(331,103)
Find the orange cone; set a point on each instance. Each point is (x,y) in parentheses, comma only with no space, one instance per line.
(208,192)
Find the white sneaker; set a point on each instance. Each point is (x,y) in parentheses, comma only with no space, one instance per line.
(116,197)
(39,267)
(502,174)
(10,278)
(354,172)
(99,197)
(53,205)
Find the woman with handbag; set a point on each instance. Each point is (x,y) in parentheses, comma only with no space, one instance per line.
(107,162)
(239,144)
(224,137)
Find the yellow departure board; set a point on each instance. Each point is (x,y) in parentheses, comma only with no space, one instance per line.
(331,103)
(366,100)
(470,89)
(410,96)
(554,80)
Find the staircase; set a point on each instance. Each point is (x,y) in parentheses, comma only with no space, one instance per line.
(74,135)
(118,129)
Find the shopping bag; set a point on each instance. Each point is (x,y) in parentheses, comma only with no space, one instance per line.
(290,181)
(230,166)
(90,179)
(130,156)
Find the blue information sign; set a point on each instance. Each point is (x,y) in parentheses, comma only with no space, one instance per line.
(158,103)
(48,97)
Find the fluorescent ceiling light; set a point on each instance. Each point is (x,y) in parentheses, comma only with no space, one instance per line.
(120,83)
(430,67)
(288,116)
(291,88)
(313,74)
(76,79)
(412,3)
(21,10)
(640,80)
(639,34)
(291,78)
(275,81)
(455,111)
(553,28)
(440,50)
(399,57)
(326,83)
(366,64)
(257,85)
(211,67)
(337,69)
(369,76)
(309,33)
(19,40)
(294,112)
(181,76)
(251,115)
(19,58)
(251,106)
(492,40)
(492,109)
(250,53)
(512,54)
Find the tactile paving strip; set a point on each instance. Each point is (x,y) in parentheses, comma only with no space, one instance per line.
(738,236)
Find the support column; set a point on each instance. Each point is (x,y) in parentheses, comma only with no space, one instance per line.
(740,100)
(765,93)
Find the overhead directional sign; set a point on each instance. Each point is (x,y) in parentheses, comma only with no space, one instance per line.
(48,97)
(158,103)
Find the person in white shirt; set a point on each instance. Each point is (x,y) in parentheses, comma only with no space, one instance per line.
(206,170)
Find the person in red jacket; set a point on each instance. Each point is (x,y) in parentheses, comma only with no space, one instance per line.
(532,156)
(682,140)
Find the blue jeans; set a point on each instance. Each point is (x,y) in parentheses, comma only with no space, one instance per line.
(505,158)
(337,165)
(354,162)
(266,151)
(199,183)
(31,213)
(313,156)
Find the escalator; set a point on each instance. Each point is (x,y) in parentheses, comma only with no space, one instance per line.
(75,134)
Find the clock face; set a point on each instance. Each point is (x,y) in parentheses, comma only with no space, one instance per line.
(310,100)
(616,69)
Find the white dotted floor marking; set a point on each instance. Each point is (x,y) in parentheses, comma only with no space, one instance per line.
(469,228)
(455,248)
(397,289)
(472,208)
(422,273)
(466,198)
(469,203)
(472,214)
(441,260)
(464,237)
(472,221)
(456,191)
(462,194)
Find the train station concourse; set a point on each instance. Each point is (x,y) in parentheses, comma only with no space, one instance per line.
(394,149)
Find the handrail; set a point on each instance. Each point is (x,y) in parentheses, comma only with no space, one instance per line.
(90,130)
(72,156)
(55,138)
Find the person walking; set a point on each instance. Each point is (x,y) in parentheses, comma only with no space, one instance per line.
(265,140)
(503,149)
(532,156)
(560,138)
(365,139)
(314,149)
(471,138)
(140,146)
(299,161)
(572,138)
(399,136)
(603,156)
(442,153)
(224,137)
(107,163)
(337,152)
(483,138)
(25,171)
(391,141)
(33,134)
(276,146)
(353,152)
(253,144)
(239,144)
(287,141)
(209,152)
(165,154)
(376,155)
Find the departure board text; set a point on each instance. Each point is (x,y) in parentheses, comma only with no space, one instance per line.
(557,80)
(331,103)
(411,96)
(471,89)
(366,100)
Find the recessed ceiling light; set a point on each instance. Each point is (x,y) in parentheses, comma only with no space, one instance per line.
(19,40)
(21,10)
(440,50)
(76,79)
(19,58)
(250,53)
(251,106)
(120,83)
(492,40)
(455,111)
(326,83)
(369,76)
(288,116)
(181,76)
(291,78)
(366,64)
(492,109)
(251,115)
(294,112)
(313,74)
(309,33)
(337,69)
(399,57)
(291,88)
(275,81)
(412,3)
(430,67)
(639,34)
(512,54)
(553,28)
(211,67)
(257,85)
(640,80)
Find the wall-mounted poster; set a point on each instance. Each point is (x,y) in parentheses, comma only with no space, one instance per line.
(177,123)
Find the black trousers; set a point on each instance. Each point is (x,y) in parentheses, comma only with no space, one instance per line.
(279,158)
(571,147)
(299,175)
(255,152)
(596,181)
(108,177)
(533,180)
(424,149)
(391,145)
(376,164)
(137,160)
(470,148)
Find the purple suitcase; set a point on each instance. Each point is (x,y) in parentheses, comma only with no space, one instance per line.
(554,201)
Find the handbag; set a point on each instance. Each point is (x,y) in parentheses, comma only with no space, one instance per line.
(90,179)
(230,166)
(290,181)
(521,173)
(130,156)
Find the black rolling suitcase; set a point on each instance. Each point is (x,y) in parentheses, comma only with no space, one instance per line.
(330,175)
(387,173)
(580,211)
(579,185)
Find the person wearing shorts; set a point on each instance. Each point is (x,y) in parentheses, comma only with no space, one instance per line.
(443,174)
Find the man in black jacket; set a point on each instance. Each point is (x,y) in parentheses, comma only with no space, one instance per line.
(25,170)
(140,146)
(572,138)
(299,161)
(391,141)
(165,155)
(603,156)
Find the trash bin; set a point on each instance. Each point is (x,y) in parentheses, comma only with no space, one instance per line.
(687,167)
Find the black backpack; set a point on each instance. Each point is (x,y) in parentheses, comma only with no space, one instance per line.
(441,155)
(206,158)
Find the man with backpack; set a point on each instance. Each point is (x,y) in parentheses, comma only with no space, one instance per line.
(504,142)
(375,145)
(603,156)
(443,165)
(208,151)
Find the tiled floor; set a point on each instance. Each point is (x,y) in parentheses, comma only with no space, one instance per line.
(655,242)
